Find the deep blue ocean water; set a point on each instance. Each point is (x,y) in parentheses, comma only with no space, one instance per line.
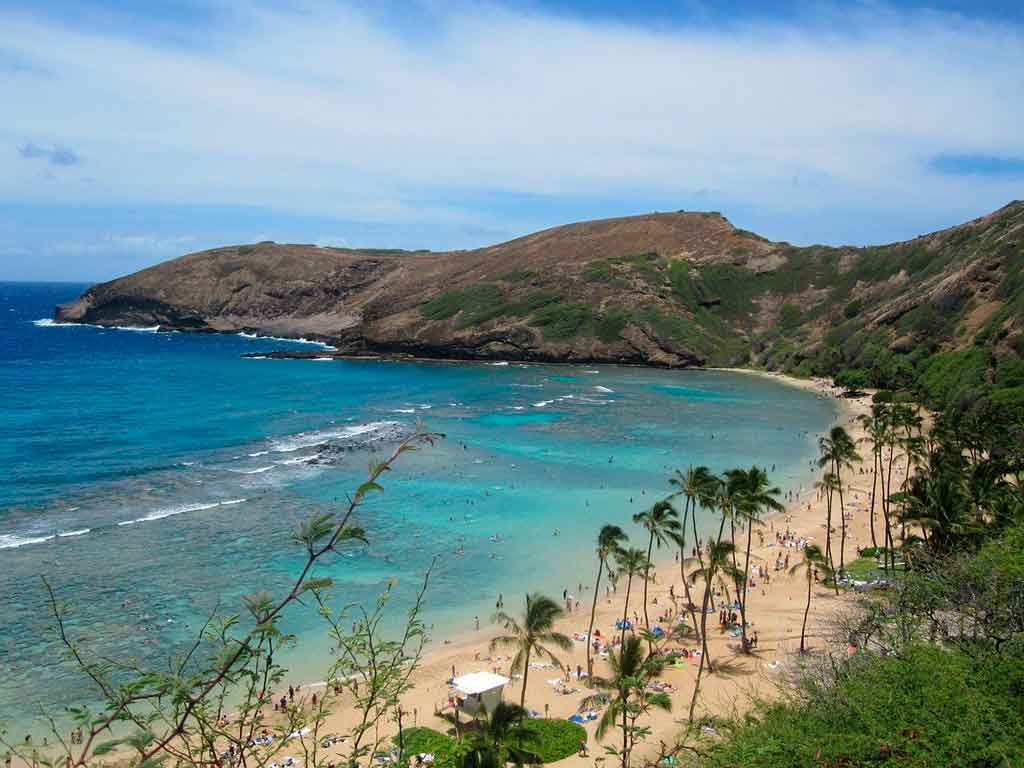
(151,476)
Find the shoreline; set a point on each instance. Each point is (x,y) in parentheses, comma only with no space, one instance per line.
(775,612)
(466,649)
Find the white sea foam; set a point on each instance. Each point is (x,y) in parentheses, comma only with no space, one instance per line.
(258,337)
(69,534)
(259,453)
(323,359)
(599,388)
(404,410)
(48,323)
(518,408)
(591,371)
(12,541)
(257,471)
(160,514)
(499,363)
(529,386)
(313,439)
(543,403)
(296,460)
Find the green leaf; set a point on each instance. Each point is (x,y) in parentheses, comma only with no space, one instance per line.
(106,747)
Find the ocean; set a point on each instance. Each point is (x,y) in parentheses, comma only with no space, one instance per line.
(151,477)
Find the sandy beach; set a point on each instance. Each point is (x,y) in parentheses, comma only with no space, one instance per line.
(775,612)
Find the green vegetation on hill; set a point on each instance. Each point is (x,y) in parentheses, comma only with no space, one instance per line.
(942,315)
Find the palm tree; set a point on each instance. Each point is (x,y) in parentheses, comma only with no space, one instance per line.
(720,555)
(609,541)
(839,452)
(659,521)
(531,636)
(632,562)
(827,486)
(756,497)
(698,486)
(499,742)
(813,559)
(874,428)
(630,697)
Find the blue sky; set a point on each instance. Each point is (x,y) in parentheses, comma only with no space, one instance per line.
(137,131)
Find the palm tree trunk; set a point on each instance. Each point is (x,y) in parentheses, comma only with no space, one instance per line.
(625,609)
(874,482)
(647,577)
(746,580)
(526,674)
(696,541)
(842,529)
(682,570)
(704,656)
(888,507)
(803,629)
(593,613)
(829,559)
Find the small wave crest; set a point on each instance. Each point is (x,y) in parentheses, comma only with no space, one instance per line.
(258,337)
(160,514)
(305,440)
(12,541)
(257,471)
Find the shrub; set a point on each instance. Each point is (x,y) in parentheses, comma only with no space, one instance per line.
(944,378)
(564,320)
(609,326)
(599,271)
(930,707)
(417,740)
(554,740)
(444,306)
(790,317)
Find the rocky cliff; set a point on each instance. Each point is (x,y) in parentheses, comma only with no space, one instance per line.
(671,289)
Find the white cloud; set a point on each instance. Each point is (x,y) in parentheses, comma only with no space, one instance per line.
(330,111)
(122,244)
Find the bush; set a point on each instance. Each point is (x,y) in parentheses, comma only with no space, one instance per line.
(609,326)
(554,740)
(564,320)
(444,306)
(417,740)
(599,271)
(931,707)
(946,377)
(853,379)
(790,317)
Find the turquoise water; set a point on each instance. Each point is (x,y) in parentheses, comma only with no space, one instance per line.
(165,472)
